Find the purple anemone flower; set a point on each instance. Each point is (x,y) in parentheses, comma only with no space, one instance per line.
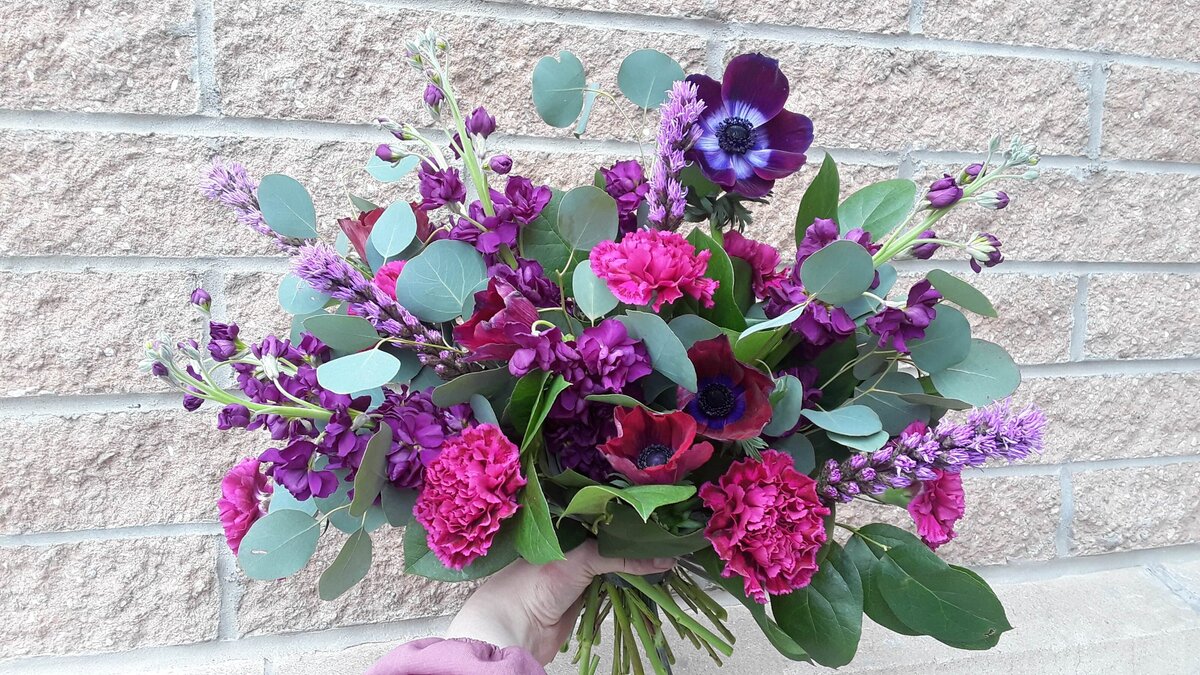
(749,141)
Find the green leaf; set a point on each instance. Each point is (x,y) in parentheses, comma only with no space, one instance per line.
(961,293)
(626,535)
(743,284)
(986,643)
(348,568)
(587,216)
(279,544)
(617,399)
(541,409)
(861,443)
(540,240)
(894,412)
(786,402)
(820,200)
(390,172)
(859,308)
(667,353)
(851,420)
(286,206)
(419,560)
(589,102)
(594,499)
(866,560)
(372,472)
(825,617)
(558,86)
(591,293)
(394,230)
(483,411)
(523,402)
(341,332)
(988,374)
(282,499)
(646,76)
(947,341)
(297,297)
(357,372)
(800,448)
(691,329)
(435,285)
(725,312)
(362,205)
(838,273)
(410,363)
(460,390)
(878,208)
(536,541)
(397,504)
(936,401)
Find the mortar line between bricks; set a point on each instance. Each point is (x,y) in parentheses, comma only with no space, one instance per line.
(1175,585)
(1066,514)
(1079,319)
(1056,469)
(1097,87)
(229,592)
(916,17)
(110,534)
(1055,267)
(83,404)
(1042,570)
(206,78)
(1101,367)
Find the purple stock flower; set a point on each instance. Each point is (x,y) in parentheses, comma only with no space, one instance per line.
(574,439)
(678,131)
(192,403)
(995,200)
(819,324)
(480,123)
(234,415)
(925,251)
(895,326)
(530,279)
(984,248)
(971,173)
(419,428)
(201,299)
(501,164)
(290,466)
(223,342)
(625,182)
(516,207)
(388,153)
(159,370)
(749,141)
(823,232)
(944,192)
(603,359)
(439,187)
(433,95)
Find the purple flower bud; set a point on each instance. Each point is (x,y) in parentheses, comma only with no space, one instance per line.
(433,95)
(1001,199)
(944,192)
(501,164)
(984,248)
(480,123)
(159,370)
(387,153)
(971,173)
(234,415)
(926,251)
(201,299)
(192,403)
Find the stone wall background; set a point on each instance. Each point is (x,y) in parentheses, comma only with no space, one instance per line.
(110,556)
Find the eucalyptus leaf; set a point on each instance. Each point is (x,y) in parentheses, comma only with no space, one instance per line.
(421,561)
(540,241)
(282,498)
(363,205)
(616,399)
(372,471)
(878,208)
(390,172)
(397,504)
(460,390)
(587,216)
(851,420)
(348,568)
(589,102)
(936,401)
(297,297)
(820,200)
(947,341)
(279,544)
(558,86)
(883,395)
(483,411)
(800,448)
(394,230)
(356,372)
(646,76)
(594,499)
(861,443)
(667,354)
(988,374)
(838,273)
(287,207)
(341,332)
(591,293)
(691,329)
(961,293)
(786,403)
(435,285)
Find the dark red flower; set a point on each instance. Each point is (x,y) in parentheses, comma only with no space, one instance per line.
(359,229)
(655,448)
(732,400)
(501,315)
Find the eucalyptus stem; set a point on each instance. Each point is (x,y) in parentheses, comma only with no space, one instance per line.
(668,605)
(638,620)
(587,628)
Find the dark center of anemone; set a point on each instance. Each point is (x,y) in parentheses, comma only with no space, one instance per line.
(736,135)
(716,400)
(655,454)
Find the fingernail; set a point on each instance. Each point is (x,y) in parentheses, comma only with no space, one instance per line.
(664,562)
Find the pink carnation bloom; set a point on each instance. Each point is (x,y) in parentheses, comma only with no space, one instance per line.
(937,507)
(767,524)
(385,279)
(469,489)
(762,258)
(651,265)
(243,501)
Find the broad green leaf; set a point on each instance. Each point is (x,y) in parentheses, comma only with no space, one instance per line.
(961,293)
(460,390)
(628,536)
(421,561)
(297,297)
(988,374)
(279,544)
(363,205)
(786,403)
(691,329)
(558,86)
(861,443)
(878,208)
(820,200)
(536,540)
(825,617)
(282,499)
(357,372)
(343,333)
(838,273)
(571,479)
(594,499)
(851,420)
(936,401)
(866,560)
(482,409)
(435,285)
(372,472)
(646,76)
(587,216)
(724,312)
(541,409)
(617,399)
(986,643)
(591,293)
(390,172)
(523,402)
(540,241)
(800,448)
(397,504)
(743,284)
(348,568)
(947,341)
(885,399)
(286,206)
(667,354)
(394,230)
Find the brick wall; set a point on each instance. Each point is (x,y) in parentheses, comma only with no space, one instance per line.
(109,109)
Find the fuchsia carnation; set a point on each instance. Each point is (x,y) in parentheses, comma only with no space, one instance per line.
(937,507)
(767,524)
(469,489)
(244,492)
(762,258)
(387,276)
(653,265)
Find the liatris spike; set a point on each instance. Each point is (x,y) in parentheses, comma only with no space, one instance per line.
(677,133)
(229,184)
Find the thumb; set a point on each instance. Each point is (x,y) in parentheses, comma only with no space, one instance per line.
(595,564)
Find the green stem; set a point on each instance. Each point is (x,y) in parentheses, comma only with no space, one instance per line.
(668,605)
(639,625)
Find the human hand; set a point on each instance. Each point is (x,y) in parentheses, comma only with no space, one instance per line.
(535,607)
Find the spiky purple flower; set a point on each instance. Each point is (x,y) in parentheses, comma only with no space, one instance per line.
(677,133)
(229,184)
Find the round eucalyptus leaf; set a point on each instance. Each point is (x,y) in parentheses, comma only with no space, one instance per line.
(878,208)
(342,332)
(988,374)
(885,399)
(646,76)
(786,402)
(349,568)
(279,544)
(587,216)
(838,273)
(851,420)
(947,341)
(394,230)
(435,285)
(591,293)
(390,172)
(297,297)
(282,499)
(358,372)
(691,329)
(558,86)
(667,354)
(961,293)
(286,206)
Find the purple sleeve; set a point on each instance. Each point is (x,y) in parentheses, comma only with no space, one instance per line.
(436,656)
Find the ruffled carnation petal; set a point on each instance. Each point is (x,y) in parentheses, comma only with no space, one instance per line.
(244,491)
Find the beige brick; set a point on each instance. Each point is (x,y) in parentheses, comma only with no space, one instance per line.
(99,56)
(889,99)
(280,59)
(1083,427)
(83,333)
(1141,316)
(1142,118)
(251,300)
(1134,508)
(387,594)
(101,469)
(1150,29)
(107,596)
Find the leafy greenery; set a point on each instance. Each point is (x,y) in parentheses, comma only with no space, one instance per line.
(558,86)
(646,76)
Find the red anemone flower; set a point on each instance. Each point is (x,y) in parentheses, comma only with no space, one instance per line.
(655,448)
(732,400)
(501,314)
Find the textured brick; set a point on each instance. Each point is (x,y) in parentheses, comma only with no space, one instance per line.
(891,98)
(387,594)
(99,56)
(1142,316)
(1142,507)
(99,467)
(84,332)
(1083,426)
(251,299)
(1151,29)
(280,59)
(1142,117)
(107,596)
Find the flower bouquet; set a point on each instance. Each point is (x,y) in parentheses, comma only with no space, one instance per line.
(505,370)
